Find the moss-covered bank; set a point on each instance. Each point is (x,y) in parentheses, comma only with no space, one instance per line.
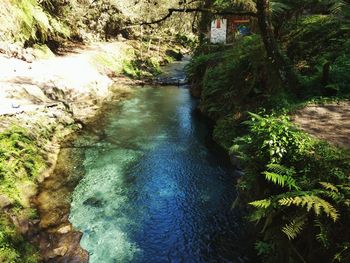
(27,153)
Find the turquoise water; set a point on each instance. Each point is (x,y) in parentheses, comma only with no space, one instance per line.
(154,190)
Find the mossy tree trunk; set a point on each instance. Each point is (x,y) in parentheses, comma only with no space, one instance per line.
(205,21)
(281,63)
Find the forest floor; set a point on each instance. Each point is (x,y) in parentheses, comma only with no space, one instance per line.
(329,122)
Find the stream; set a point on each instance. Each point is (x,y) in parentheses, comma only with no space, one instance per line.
(154,187)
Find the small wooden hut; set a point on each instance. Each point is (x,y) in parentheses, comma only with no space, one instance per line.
(224,29)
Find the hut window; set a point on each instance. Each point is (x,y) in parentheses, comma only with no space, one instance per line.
(218,23)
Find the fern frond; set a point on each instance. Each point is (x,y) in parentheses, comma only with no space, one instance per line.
(280,169)
(278,8)
(311,202)
(347,202)
(322,237)
(338,6)
(329,186)
(265,203)
(294,228)
(257,215)
(281,175)
(332,195)
(281,180)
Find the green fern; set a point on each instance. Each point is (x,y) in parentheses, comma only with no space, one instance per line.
(329,186)
(333,192)
(322,237)
(280,169)
(294,228)
(265,203)
(332,195)
(343,253)
(311,202)
(257,215)
(35,23)
(281,175)
(281,180)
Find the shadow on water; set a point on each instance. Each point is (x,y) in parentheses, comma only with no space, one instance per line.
(155,187)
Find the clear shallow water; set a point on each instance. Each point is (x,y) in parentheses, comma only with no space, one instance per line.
(152,190)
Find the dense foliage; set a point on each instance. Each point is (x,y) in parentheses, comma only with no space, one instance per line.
(297,187)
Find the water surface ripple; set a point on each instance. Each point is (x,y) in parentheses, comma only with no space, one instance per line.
(153,191)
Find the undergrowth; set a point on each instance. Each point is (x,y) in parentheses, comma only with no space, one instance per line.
(299,190)
(136,59)
(320,48)
(20,164)
(29,23)
(297,187)
(13,248)
(233,79)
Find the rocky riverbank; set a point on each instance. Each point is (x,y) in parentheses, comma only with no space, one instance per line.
(48,99)
(44,98)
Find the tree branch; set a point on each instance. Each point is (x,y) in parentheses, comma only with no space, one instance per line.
(191,10)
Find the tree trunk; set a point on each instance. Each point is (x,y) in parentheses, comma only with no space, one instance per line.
(281,64)
(205,21)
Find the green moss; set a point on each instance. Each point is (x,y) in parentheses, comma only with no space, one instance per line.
(112,63)
(42,52)
(13,247)
(130,70)
(20,164)
(128,61)
(20,161)
(145,68)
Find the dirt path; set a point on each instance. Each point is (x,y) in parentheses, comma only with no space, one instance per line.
(330,122)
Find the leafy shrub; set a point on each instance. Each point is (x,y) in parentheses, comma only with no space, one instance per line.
(275,138)
(225,130)
(299,189)
(315,41)
(234,79)
(36,24)
(185,40)
(198,65)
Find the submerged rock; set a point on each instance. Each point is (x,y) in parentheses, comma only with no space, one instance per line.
(61,251)
(65,229)
(93,201)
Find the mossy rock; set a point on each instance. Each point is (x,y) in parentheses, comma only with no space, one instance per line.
(177,55)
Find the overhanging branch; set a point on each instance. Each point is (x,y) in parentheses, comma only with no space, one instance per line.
(192,10)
